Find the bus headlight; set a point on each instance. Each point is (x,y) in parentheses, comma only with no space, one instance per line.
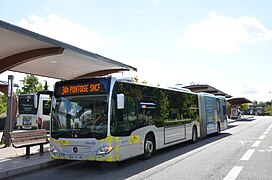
(104,150)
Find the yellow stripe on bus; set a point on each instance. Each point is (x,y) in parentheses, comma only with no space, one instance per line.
(100,140)
(109,139)
(52,139)
(91,158)
(64,142)
(117,148)
(53,156)
(109,159)
(100,159)
(134,139)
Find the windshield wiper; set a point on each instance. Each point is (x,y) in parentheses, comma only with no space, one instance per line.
(61,134)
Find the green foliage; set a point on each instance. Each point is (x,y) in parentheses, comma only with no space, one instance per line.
(243,106)
(255,104)
(228,104)
(268,109)
(2,122)
(135,79)
(261,104)
(164,105)
(31,84)
(3,103)
(45,87)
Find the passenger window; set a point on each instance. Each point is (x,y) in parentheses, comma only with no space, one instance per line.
(46,107)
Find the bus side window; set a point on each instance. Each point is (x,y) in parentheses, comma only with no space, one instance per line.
(46,107)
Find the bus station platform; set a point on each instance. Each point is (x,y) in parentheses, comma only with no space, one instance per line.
(14,161)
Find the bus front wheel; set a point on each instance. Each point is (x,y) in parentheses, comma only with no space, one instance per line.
(149,146)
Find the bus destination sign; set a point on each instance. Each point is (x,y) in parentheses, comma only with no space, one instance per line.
(76,89)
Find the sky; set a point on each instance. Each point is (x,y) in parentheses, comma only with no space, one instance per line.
(226,44)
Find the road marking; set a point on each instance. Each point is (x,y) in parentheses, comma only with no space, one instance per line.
(235,171)
(265,132)
(245,142)
(4,159)
(247,155)
(266,150)
(270,126)
(256,143)
(261,137)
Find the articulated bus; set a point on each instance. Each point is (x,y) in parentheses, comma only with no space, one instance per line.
(112,119)
(34,110)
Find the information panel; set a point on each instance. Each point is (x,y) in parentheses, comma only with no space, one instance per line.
(80,89)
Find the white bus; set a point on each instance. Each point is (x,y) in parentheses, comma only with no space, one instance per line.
(34,110)
(111,119)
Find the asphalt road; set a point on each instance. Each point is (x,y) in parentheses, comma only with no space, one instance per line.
(244,151)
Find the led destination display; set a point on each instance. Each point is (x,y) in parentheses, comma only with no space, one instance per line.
(80,89)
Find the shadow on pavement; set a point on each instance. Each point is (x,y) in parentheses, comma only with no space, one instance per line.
(246,119)
(131,167)
(231,126)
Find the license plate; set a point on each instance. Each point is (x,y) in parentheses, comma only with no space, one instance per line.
(75,157)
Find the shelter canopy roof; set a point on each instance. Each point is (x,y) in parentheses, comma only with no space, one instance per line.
(24,51)
(197,88)
(238,101)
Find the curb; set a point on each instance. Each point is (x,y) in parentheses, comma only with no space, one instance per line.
(29,168)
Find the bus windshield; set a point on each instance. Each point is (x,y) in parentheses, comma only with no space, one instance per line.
(79,117)
(26,104)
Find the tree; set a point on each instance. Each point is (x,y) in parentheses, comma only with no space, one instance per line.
(31,84)
(3,103)
(243,107)
(137,80)
(45,87)
(268,109)
(255,104)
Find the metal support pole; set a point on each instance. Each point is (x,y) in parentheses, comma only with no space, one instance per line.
(9,124)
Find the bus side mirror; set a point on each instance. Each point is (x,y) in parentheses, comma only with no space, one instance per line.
(120,101)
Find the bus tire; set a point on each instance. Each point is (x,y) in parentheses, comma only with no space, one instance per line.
(149,146)
(194,135)
(218,129)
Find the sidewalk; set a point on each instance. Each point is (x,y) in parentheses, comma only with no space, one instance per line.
(13,161)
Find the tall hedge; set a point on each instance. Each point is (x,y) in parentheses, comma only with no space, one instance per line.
(2,122)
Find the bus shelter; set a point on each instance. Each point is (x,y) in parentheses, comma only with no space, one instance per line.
(234,106)
(197,88)
(25,51)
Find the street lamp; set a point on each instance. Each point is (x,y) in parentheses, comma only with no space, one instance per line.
(269,96)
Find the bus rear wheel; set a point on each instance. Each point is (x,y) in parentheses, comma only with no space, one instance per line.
(218,129)
(149,146)
(194,135)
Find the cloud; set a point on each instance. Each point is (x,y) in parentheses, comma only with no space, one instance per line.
(152,70)
(156,2)
(249,90)
(70,32)
(223,34)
